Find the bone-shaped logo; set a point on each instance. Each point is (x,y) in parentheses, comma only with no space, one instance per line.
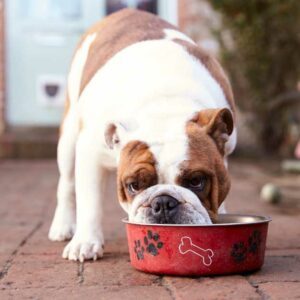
(187,245)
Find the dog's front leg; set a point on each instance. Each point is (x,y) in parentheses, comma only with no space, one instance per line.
(88,241)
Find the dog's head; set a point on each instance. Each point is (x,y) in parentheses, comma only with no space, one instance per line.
(156,186)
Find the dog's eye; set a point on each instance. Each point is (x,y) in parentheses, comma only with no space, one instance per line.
(133,187)
(197,183)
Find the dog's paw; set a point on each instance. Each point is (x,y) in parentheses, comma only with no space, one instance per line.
(63,226)
(62,232)
(83,248)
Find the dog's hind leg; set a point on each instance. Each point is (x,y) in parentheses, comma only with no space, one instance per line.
(64,221)
(63,224)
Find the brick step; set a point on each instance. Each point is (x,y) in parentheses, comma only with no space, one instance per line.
(29,142)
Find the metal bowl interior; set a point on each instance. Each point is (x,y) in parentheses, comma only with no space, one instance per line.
(223,220)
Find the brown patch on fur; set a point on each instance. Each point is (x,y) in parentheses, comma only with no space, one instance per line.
(213,66)
(137,164)
(116,32)
(218,123)
(205,158)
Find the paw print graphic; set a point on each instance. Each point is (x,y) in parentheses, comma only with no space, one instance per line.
(139,249)
(254,242)
(239,252)
(152,243)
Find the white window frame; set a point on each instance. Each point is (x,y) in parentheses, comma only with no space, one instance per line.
(167,9)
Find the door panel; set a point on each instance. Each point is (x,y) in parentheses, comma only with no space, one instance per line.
(41,37)
(40,40)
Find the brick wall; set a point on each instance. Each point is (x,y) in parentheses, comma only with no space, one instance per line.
(197,19)
(2,68)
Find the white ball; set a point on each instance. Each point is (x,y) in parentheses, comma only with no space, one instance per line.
(270,193)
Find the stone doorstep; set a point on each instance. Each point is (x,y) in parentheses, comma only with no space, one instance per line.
(29,142)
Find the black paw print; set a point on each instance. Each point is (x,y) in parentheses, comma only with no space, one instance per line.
(254,241)
(239,252)
(139,249)
(152,243)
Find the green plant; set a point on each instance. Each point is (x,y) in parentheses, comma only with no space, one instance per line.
(263,61)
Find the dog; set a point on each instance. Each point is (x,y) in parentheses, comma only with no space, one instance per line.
(144,99)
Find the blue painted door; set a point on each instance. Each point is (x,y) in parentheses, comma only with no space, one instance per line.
(41,37)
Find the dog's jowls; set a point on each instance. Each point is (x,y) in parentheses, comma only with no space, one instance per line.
(145,100)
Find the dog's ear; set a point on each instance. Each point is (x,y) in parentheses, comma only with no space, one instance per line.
(113,134)
(218,123)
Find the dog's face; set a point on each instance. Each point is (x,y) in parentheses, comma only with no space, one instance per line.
(199,182)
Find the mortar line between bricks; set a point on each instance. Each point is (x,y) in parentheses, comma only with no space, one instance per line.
(271,281)
(167,287)
(80,272)
(258,291)
(9,262)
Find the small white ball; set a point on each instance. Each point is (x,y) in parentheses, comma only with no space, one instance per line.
(270,193)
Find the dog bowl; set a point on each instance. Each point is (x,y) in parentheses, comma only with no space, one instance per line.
(236,244)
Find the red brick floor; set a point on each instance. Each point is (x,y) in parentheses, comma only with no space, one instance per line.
(31,267)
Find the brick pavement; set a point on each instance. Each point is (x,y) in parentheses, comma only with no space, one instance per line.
(31,267)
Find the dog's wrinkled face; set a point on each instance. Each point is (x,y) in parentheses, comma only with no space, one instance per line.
(199,185)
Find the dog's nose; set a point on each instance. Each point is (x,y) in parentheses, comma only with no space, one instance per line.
(164,207)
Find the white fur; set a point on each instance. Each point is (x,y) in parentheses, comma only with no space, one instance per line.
(222,209)
(172,34)
(166,89)
(64,223)
(184,196)
(77,66)
(88,240)
(152,88)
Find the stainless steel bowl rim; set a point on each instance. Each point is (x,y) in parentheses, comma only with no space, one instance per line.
(248,220)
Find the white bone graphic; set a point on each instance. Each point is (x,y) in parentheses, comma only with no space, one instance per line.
(187,245)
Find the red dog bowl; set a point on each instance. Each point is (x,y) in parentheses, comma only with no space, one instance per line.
(236,244)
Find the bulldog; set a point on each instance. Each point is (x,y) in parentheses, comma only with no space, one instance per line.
(144,99)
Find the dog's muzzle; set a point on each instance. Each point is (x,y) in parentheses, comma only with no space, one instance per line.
(168,204)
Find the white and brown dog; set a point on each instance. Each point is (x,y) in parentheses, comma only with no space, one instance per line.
(144,99)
